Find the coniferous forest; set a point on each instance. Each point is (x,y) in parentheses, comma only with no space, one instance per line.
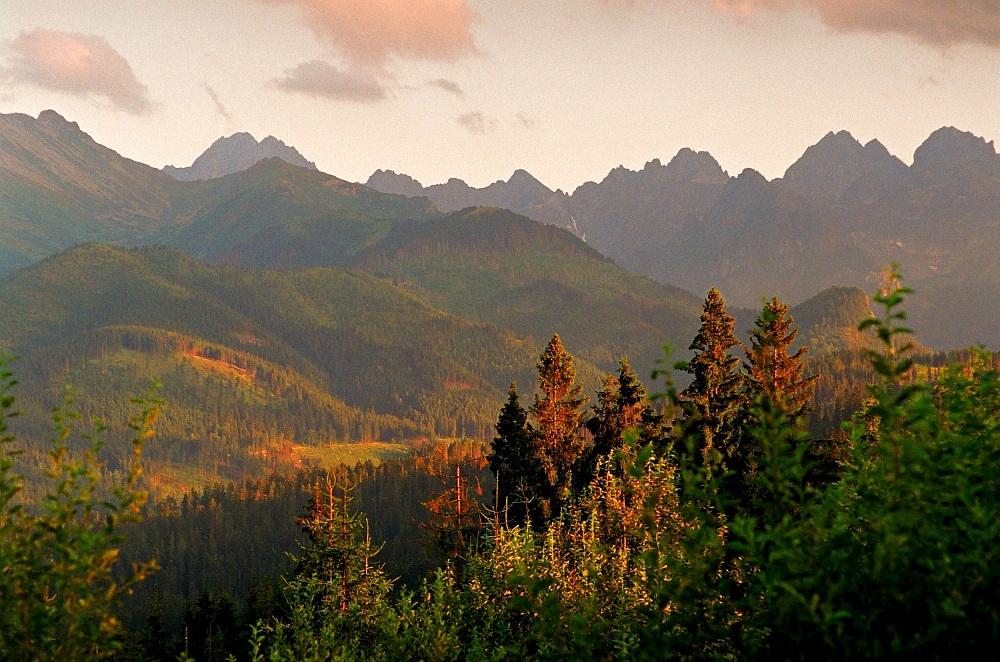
(267,414)
(772,507)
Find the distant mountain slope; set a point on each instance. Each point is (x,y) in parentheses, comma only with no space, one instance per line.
(629,215)
(59,187)
(828,322)
(936,218)
(522,193)
(840,214)
(497,267)
(238,152)
(214,216)
(632,216)
(838,162)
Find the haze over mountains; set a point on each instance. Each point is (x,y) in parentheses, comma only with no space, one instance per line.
(840,213)
(282,300)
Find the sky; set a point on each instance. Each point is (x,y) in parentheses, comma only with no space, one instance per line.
(474,89)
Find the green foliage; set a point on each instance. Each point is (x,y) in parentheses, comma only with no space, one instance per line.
(895,558)
(715,397)
(57,589)
(557,444)
(513,462)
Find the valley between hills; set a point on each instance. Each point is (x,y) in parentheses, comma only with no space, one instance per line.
(298,330)
(280,306)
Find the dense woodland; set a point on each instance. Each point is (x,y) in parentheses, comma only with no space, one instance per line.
(769,507)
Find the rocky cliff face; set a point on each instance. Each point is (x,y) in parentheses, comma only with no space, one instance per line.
(237,153)
(522,193)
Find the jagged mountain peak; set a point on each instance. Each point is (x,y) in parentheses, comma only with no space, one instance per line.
(235,153)
(836,163)
(874,146)
(949,154)
(842,137)
(389,181)
(271,141)
(522,177)
(54,119)
(750,179)
(696,166)
(523,182)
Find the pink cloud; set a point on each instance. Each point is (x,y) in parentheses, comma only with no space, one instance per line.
(79,64)
(936,22)
(369,32)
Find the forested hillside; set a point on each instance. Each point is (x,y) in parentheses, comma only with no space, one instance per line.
(497,267)
(248,360)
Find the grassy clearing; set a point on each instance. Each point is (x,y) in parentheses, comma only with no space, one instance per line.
(337,454)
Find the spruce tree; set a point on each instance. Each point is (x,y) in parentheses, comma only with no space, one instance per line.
(714,398)
(621,406)
(513,461)
(558,443)
(155,639)
(770,370)
(335,569)
(776,376)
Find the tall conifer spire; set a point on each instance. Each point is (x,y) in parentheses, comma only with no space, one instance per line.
(513,460)
(715,395)
(770,369)
(557,413)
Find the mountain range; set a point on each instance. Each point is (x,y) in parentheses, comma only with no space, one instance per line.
(839,215)
(281,306)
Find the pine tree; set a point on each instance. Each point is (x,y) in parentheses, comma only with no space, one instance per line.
(558,443)
(513,461)
(456,522)
(335,569)
(155,640)
(771,371)
(714,398)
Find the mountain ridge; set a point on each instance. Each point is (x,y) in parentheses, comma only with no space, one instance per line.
(231,154)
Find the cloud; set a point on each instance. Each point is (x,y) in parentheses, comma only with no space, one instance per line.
(477,123)
(219,106)
(83,65)
(449,86)
(935,22)
(369,32)
(322,79)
